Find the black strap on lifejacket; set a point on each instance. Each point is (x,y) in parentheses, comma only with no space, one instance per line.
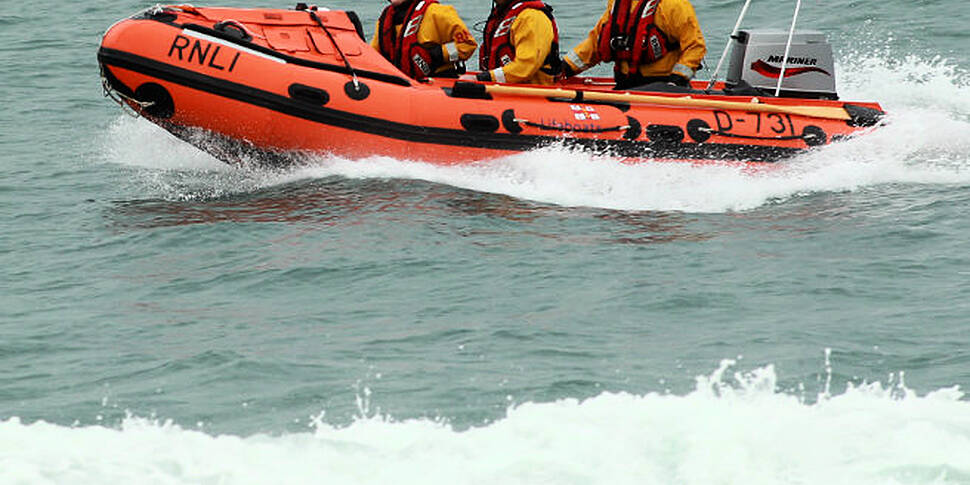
(632,35)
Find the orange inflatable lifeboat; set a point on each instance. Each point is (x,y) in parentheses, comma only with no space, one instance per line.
(269,82)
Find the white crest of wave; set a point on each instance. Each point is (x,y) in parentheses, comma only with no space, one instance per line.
(926,141)
(742,431)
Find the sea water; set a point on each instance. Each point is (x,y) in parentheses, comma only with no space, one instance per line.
(550,317)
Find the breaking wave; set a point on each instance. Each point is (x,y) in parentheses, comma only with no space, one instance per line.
(732,428)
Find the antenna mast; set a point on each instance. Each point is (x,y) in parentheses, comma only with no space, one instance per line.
(734,33)
(784,60)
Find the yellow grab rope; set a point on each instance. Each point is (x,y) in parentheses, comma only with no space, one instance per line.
(827,112)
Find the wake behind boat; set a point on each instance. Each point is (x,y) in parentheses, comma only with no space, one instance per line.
(266,84)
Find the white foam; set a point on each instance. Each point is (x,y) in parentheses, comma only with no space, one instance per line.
(925,141)
(139,143)
(736,429)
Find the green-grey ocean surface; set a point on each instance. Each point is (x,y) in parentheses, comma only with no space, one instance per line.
(553,317)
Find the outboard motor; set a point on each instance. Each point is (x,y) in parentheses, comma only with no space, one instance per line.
(756,58)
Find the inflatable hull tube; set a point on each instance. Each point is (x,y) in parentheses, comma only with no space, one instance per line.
(285,81)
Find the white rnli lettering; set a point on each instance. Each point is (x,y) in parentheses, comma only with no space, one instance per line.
(421,64)
(656,47)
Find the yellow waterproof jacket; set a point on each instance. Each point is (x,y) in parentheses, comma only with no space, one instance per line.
(441,25)
(676,18)
(532,35)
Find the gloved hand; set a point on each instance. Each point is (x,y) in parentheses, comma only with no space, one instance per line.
(426,59)
(678,80)
(484,76)
(567,70)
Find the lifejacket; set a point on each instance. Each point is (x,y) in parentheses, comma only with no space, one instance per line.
(396,46)
(497,49)
(632,35)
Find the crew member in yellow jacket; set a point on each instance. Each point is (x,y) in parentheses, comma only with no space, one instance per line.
(520,44)
(424,38)
(647,40)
